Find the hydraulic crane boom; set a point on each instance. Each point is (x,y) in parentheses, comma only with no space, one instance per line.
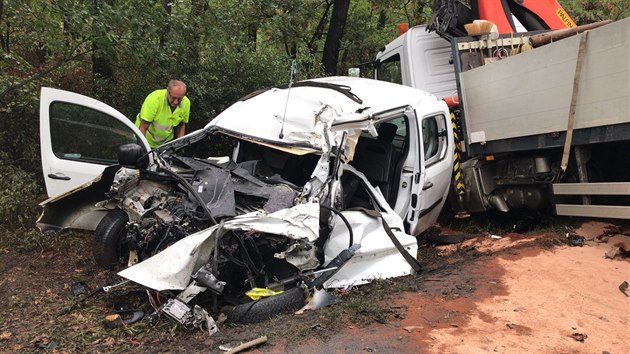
(449,16)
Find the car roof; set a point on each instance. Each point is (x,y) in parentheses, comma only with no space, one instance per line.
(287,116)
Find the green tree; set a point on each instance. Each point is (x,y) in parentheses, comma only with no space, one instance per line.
(120,50)
(589,11)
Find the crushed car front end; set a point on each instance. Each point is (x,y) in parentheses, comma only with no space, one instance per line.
(286,212)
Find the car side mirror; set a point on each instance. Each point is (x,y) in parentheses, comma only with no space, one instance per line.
(132,156)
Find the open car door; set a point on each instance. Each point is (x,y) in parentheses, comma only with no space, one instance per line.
(431,186)
(421,159)
(79,137)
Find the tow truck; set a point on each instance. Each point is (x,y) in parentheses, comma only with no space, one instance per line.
(536,126)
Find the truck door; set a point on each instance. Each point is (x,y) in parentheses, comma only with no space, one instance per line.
(431,185)
(79,137)
(390,68)
(418,59)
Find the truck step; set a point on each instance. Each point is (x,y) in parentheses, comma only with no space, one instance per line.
(597,211)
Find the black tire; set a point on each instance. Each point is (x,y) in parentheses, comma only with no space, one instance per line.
(265,308)
(106,248)
(444,239)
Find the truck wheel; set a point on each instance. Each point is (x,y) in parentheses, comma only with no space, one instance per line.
(265,308)
(107,248)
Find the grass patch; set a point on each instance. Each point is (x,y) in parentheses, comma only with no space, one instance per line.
(525,222)
(33,241)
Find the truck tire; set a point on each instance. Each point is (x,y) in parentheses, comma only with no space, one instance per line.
(107,248)
(265,308)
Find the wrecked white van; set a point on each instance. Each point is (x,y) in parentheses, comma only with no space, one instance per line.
(327,185)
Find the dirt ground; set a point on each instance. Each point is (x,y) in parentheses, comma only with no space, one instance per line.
(505,292)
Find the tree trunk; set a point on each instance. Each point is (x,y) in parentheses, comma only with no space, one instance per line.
(335,34)
(4,41)
(166,28)
(197,10)
(319,31)
(102,71)
(252,34)
(382,19)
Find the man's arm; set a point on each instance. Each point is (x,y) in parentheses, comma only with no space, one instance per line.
(144,125)
(180,130)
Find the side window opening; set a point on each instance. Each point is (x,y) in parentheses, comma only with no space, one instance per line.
(380,158)
(390,70)
(434,138)
(84,134)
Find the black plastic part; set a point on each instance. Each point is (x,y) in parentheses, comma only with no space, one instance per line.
(106,247)
(344,90)
(337,262)
(192,190)
(62,178)
(450,16)
(78,288)
(345,221)
(265,308)
(132,156)
(126,317)
(527,18)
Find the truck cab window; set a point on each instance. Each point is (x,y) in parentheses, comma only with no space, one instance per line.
(390,70)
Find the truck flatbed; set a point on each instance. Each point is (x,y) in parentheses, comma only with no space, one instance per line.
(522,102)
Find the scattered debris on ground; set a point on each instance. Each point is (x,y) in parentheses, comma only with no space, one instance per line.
(480,294)
(580,337)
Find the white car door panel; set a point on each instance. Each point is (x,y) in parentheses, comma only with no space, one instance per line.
(79,137)
(435,161)
(437,153)
(410,167)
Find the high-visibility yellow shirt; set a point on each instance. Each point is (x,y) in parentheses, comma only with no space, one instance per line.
(162,117)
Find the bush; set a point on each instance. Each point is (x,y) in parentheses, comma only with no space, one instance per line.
(19,196)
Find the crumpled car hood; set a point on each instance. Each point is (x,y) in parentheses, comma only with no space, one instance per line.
(171,269)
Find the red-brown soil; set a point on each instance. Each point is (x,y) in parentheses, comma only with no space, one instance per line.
(520,293)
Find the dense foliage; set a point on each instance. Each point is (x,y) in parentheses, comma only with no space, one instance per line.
(119,50)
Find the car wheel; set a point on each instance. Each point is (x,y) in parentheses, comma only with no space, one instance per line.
(438,239)
(265,308)
(107,248)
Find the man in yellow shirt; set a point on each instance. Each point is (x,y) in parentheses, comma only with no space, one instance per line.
(164,114)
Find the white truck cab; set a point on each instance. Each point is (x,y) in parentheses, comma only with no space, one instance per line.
(418,59)
(540,124)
